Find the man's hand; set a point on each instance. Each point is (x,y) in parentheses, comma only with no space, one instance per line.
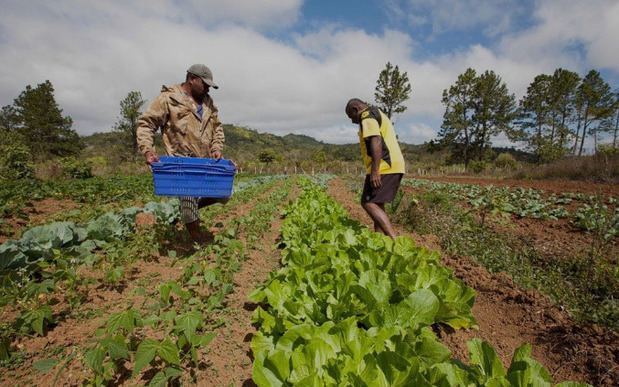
(216,155)
(151,157)
(375,180)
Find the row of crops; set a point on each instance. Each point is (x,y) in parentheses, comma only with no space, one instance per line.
(352,307)
(349,306)
(43,267)
(592,211)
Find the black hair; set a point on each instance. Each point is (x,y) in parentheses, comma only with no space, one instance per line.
(354,101)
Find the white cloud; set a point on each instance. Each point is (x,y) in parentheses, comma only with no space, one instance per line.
(96,52)
(565,30)
(493,16)
(418,133)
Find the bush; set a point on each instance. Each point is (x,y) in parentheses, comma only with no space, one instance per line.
(477,166)
(506,160)
(15,161)
(75,168)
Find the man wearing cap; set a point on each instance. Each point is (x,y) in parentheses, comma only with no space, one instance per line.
(190,127)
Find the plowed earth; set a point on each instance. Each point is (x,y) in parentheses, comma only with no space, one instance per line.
(509,316)
(227,360)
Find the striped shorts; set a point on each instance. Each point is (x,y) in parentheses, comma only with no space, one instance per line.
(190,206)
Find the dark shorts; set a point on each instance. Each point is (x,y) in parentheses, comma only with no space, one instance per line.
(384,194)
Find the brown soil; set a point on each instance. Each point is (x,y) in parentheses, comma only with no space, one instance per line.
(228,358)
(231,356)
(36,214)
(509,316)
(554,238)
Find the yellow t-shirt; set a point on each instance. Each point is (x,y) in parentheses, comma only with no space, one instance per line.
(375,123)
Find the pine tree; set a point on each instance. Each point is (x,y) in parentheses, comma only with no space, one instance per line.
(127,124)
(595,104)
(545,113)
(392,89)
(39,120)
(476,109)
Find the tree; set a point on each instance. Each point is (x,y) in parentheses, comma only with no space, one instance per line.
(611,123)
(494,110)
(545,112)
(594,103)
(266,156)
(564,85)
(127,124)
(392,89)
(457,127)
(39,118)
(9,121)
(476,108)
(535,112)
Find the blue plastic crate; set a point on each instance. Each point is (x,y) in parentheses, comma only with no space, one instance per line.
(192,176)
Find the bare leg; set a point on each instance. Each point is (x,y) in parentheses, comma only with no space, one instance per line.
(381,220)
(196,234)
(377,226)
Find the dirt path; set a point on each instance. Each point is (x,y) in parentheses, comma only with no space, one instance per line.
(509,316)
(231,359)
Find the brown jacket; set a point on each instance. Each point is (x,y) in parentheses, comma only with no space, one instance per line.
(184,134)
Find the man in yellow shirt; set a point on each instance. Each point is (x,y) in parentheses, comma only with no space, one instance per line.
(383,160)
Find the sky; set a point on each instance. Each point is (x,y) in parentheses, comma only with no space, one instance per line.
(290,66)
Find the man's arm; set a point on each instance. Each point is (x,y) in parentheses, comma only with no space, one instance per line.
(376,147)
(154,117)
(217,141)
(371,134)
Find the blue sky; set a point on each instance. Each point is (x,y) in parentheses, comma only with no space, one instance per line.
(289,66)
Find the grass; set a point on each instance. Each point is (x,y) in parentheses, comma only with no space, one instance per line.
(600,168)
(585,284)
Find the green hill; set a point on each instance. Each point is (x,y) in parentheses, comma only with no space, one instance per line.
(245,145)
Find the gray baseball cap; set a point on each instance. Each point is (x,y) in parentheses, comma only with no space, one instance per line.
(203,72)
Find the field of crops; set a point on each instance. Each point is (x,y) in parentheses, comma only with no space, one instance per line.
(486,285)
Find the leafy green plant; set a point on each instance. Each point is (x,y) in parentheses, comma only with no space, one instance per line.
(15,161)
(36,320)
(352,307)
(105,358)
(76,168)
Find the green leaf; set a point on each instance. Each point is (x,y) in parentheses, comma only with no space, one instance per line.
(393,366)
(159,380)
(423,306)
(45,365)
(94,359)
(483,355)
(263,376)
(202,340)
(189,322)
(164,290)
(526,370)
(377,283)
(278,362)
(144,355)
(126,320)
(172,373)
(116,347)
(169,352)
